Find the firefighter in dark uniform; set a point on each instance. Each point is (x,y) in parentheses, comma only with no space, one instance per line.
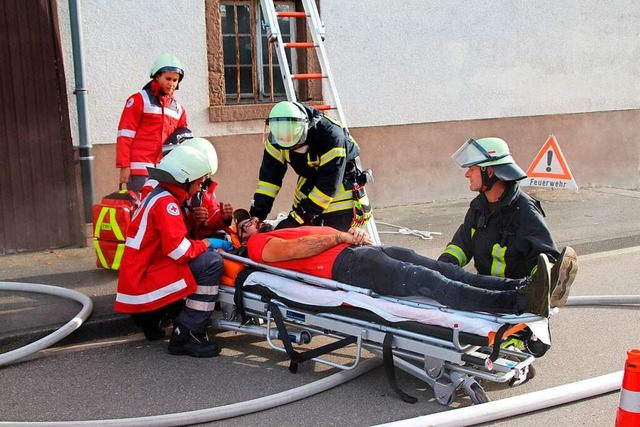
(321,152)
(504,229)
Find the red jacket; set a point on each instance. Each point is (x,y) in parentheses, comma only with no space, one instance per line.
(214,222)
(148,118)
(155,270)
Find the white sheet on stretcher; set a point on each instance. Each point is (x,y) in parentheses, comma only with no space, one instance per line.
(393,312)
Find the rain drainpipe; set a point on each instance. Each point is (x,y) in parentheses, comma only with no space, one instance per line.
(85,148)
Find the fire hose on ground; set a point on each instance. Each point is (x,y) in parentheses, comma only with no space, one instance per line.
(66,329)
(486,412)
(519,405)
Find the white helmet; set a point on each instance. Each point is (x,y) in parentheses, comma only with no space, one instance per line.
(205,147)
(182,165)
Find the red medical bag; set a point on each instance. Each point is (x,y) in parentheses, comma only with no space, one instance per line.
(111,217)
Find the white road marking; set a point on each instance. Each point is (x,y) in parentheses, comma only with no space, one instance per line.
(606,254)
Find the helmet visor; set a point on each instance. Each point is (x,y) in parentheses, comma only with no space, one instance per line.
(286,131)
(471,153)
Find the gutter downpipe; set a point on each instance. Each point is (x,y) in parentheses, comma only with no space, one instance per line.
(84,148)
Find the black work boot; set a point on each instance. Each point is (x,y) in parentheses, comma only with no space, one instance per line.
(563,274)
(195,344)
(536,289)
(151,324)
(154,333)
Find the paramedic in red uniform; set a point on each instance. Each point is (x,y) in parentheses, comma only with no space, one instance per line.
(162,266)
(207,216)
(148,118)
(348,257)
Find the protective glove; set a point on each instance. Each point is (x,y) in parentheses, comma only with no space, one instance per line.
(219,244)
(259,213)
(361,208)
(301,215)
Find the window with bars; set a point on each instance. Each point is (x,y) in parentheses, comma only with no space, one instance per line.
(244,74)
(251,69)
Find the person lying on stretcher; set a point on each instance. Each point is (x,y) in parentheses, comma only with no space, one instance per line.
(349,257)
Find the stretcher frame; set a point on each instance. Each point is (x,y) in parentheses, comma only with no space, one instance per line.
(446,365)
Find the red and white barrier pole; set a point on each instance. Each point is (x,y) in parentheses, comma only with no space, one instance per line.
(629,407)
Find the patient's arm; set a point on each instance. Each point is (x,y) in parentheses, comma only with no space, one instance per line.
(359,236)
(278,249)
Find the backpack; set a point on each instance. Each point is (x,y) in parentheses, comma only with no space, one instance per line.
(111,218)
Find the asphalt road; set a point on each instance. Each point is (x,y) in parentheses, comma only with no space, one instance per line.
(136,378)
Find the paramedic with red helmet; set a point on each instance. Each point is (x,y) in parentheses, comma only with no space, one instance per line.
(148,118)
(162,266)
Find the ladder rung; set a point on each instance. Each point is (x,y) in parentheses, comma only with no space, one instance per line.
(324,107)
(310,76)
(299,45)
(291,14)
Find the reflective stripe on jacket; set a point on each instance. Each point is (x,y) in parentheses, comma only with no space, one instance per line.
(505,242)
(146,121)
(155,265)
(320,165)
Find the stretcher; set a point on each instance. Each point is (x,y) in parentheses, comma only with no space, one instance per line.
(450,350)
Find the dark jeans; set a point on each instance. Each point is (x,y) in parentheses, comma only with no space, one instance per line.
(206,269)
(136,182)
(340,220)
(395,271)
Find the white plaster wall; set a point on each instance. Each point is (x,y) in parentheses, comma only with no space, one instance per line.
(121,39)
(415,61)
(395,62)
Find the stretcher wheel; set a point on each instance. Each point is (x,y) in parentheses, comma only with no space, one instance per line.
(536,347)
(531,373)
(445,392)
(477,394)
(305,337)
(446,400)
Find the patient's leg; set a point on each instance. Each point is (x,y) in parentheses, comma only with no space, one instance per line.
(373,268)
(452,271)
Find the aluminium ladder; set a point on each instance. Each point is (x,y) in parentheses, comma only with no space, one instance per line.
(317,30)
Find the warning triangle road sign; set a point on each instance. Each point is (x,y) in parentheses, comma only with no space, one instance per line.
(549,168)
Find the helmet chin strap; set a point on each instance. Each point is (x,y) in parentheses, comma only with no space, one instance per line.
(300,144)
(487,181)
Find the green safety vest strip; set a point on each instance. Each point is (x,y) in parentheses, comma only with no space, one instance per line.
(319,198)
(274,152)
(498,265)
(332,154)
(268,189)
(343,199)
(457,252)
